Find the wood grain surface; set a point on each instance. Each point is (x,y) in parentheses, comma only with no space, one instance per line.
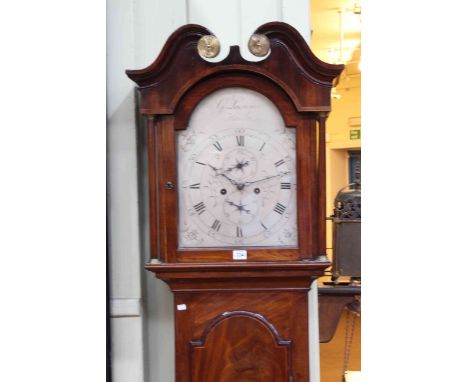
(241,321)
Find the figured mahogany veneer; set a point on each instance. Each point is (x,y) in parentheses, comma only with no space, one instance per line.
(231,341)
(251,350)
(238,321)
(242,322)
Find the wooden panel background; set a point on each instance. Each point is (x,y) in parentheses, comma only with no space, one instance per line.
(287,313)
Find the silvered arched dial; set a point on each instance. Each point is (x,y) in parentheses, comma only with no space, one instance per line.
(237,174)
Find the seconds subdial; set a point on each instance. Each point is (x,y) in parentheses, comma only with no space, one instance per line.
(240,163)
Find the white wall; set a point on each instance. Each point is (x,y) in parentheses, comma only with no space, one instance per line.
(141,306)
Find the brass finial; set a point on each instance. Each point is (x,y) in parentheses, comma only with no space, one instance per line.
(208,46)
(259,45)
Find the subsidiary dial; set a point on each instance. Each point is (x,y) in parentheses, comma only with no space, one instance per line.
(240,163)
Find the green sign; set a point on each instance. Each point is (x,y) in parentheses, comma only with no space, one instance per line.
(355,134)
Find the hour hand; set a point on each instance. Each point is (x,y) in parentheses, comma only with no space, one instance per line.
(240,207)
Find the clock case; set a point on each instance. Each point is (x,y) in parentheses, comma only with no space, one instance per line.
(237,307)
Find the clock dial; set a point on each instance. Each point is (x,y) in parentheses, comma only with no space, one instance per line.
(237,174)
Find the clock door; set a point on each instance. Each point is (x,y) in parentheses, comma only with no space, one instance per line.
(237,183)
(237,180)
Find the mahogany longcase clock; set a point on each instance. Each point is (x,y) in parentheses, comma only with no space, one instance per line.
(236,159)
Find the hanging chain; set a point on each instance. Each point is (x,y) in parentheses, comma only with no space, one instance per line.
(349,333)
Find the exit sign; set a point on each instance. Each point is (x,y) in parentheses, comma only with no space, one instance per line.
(355,134)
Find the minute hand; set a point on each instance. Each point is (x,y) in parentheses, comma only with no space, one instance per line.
(268,177)
(232,181)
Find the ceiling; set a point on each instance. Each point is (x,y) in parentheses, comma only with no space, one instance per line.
(327,42)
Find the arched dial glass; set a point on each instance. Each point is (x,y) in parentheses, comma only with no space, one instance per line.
(237,174)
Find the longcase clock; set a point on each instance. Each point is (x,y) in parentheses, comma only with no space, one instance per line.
(236,159)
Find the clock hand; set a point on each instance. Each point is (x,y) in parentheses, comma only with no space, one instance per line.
(213,167)
(232,181)
(268,177)
(239,165)
(240,207)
